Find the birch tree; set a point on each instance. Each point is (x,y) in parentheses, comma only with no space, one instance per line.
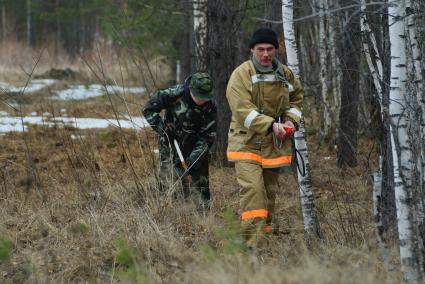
(402,147)
(380,193)
(200,32)
(416,131)
(311,223)
(323,53)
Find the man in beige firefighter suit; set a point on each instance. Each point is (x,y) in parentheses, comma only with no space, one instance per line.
(265,99)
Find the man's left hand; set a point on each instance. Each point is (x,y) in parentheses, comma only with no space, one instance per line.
(289,128)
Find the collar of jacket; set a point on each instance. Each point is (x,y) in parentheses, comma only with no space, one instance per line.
(276,68)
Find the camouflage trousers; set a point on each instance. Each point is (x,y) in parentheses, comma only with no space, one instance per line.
(193,185)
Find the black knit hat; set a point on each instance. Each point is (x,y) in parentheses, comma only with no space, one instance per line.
(264,35)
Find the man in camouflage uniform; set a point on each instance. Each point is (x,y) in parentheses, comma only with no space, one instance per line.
(189,122)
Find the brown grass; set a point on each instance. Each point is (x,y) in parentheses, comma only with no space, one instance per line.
(83,206)
(104,221)
(103,63)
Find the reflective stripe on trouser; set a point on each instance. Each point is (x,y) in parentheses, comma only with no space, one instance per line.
(257,200)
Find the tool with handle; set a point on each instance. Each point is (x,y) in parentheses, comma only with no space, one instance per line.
(179,152)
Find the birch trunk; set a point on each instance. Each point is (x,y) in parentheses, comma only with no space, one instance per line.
(402,147)
(324,70)
(377,214)
(376,73)
(336,70)
(200,32)
(416,130)
(311,223)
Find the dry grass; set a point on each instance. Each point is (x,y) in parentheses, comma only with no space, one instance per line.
(103,220)
(103,63)
(87,209)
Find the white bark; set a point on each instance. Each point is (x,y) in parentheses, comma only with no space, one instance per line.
(377,213)
(311,223)
(200,32)
(336,72)
(375,72)
(408,254)
(324,69)
(416,129)
(401,145)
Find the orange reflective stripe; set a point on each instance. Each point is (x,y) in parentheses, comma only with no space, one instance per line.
(282,160)
(251,214)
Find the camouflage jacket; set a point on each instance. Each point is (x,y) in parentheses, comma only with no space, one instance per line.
(193,126)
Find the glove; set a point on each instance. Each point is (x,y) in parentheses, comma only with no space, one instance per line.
(191,161)
(289,131)
(289,128)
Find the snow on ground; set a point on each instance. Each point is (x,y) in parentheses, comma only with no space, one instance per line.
(8,124)
(33,86)
(76,92)
(81,92)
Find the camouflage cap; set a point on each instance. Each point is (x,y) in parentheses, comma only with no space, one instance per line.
(201,86)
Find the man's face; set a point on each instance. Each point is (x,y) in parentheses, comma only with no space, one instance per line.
(199,102)
(264,53)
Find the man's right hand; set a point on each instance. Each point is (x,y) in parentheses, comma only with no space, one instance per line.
(283,130)
(279,130)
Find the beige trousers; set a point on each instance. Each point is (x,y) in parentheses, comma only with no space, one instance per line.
(257,200)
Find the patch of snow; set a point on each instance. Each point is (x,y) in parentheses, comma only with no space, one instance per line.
(33,86)
(3,113)
(8,124)
(81,92)
(33,113)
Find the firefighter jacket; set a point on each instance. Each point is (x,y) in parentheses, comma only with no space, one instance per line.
(192,126)
(256,101)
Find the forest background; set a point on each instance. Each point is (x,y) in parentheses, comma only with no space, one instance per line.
(78,165)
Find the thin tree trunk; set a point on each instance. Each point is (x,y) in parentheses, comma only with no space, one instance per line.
(416,130)
(3,21)
(82,27)
(311,222)
(200,32)
(324,71)
(379,225)
(28,22)
(186,41)
(58,30)
(401,144)
(336,70)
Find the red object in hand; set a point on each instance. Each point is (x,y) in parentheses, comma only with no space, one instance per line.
(289,131)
